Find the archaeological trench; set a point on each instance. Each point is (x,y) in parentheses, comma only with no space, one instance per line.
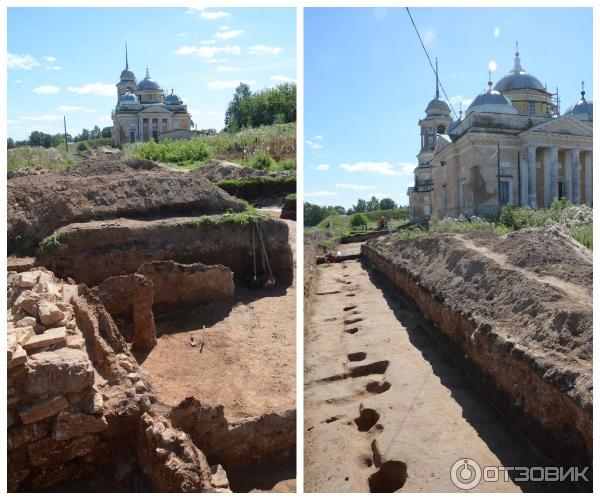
(136,358)
(424,351)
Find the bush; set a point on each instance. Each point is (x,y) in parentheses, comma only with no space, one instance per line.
(359,220)
(288,164)
(261,161)
(83,146)
(178,152)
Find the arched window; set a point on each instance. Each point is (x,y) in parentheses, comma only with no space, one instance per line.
(441,129)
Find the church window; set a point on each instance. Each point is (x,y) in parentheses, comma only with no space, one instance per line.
(504,192)
(132,136)
(532,108)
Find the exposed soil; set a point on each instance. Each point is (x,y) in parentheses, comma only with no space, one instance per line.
(218,170)
(113,187)
(379,391)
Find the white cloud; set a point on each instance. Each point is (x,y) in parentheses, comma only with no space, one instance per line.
(407,168)
(42,118)
(228,84)
(198,112)
(228,35)
(25,61)
(496,32)
(13,122)
(54,68)
(228,69)
(104,120)
(46,89)
(313,145)
(312,194)
(18,82)
(224,27)
(381,168)
(204,14)
(263,50)
(281,78)
(50,58)
(318,138)
(207,52)
(74,109)
(182,35)
(105,89)
(459,99)
(379,195)
(323,168)
(428,37)
(355,187)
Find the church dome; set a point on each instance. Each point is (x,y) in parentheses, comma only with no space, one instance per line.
(437,107)
(582,109)
(518,78)
(492,101)
(129,98)
(147,83)
(127,74)
(173,99)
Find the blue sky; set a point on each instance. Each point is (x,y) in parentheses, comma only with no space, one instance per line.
(367,83)
(66,61)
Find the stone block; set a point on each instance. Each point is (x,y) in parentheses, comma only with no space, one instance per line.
(28,302)
(26,321)
(71,425)
(24,434)
(28,279)
(18,358)
(50,451)
(49,313)
(43,409)
(22,333)
(55,337)
(59,372)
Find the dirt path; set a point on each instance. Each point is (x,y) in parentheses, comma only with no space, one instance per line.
(383,401)
(247,362)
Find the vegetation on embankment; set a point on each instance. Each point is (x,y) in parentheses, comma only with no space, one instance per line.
(577,220)
(341,225)
(269,148)
(255,187)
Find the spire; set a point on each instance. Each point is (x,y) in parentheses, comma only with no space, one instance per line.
(517,67)
(147,73)
(582,90)
(489,81)
(437,80)
(126,58)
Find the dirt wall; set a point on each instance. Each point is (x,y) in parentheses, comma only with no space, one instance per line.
(537,384)
(92,252)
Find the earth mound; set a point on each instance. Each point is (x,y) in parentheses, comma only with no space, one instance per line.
(219,170)
(517,311)
(112,187)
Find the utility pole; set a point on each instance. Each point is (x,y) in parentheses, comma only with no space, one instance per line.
(66,142)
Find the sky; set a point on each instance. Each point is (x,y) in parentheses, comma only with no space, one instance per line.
(66,61)
(367,83)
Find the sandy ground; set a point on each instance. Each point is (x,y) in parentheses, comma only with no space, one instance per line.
(378,389)
(244,360)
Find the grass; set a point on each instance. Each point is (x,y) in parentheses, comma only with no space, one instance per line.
(248,216)
(576,220)
(270,148)
(251,188)
(50,158)
(49,242)
(340,224)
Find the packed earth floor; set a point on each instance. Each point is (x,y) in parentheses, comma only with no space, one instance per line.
(375,378)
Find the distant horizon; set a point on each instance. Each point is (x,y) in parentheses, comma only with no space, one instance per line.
(367,83)
(203,54)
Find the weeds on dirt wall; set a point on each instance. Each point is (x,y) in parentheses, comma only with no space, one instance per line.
(577,220)
(247,216)
(49,242)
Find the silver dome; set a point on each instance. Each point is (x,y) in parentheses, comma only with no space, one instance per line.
(582,109)
(173,99)
(129,98)
(127,74)
(492,101)
(147,83)
(518,78)
(437,107)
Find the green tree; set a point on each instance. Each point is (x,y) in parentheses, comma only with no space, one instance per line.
(361,206)
(372,204)
(106,132)
(10,143)
(84,136)
(387,204)
(235,118)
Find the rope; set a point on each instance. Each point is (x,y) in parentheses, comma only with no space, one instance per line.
(264,249)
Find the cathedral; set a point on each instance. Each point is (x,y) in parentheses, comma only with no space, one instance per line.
(511,147)
(143,111)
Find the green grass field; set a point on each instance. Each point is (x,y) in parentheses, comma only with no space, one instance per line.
(340,224)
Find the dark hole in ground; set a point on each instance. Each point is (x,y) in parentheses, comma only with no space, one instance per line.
(390,477)
(367,419)
(357,356)
(263,476)
(378,387)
